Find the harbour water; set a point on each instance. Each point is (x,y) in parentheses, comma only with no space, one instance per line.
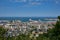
(24,19)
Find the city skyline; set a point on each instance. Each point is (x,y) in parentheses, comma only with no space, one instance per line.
(29,8)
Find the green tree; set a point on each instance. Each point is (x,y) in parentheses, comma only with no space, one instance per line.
(2,32)
(54,34)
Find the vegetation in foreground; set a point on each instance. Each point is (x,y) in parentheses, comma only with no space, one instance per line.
(53,34)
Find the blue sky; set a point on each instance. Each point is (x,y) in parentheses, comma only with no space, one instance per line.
(29,8)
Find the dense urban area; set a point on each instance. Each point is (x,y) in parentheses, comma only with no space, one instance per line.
(31,30)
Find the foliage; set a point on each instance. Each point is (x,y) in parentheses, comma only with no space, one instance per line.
(2,31)
(54,34)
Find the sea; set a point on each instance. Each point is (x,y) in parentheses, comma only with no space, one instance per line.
(24,19)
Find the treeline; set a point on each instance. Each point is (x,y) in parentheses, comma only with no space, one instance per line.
(52,34)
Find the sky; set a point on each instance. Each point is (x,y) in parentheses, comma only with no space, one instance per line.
(29,8)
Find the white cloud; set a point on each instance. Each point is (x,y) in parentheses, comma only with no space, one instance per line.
(35,3)
(57,1)
(27,0)
(18,0)
(29,3)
